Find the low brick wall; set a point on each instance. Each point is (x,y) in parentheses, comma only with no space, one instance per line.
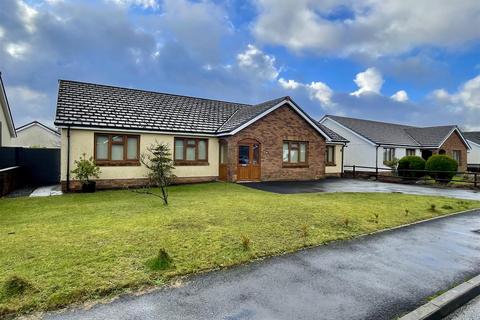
(105,184)
(10,179)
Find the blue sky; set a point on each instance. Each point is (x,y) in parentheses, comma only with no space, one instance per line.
(402,61)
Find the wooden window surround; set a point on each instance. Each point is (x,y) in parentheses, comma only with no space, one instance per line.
(411,152)
(113,140)
(330,156)
(388,154)
(180,156)
(292,157)
(457,156)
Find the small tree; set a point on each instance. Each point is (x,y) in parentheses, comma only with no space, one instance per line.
(158,160)
(85,169)
(392,164)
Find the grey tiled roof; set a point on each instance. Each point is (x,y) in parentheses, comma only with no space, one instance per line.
(396,134)
(473,136)
(332,134)
(243,115)
(430,136)
(92,105)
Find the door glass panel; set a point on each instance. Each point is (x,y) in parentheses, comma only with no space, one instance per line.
(285,152)
(303,152)
(102,147)
(117,152)
(223,153)
(243,155)
(294,155)
(256,154)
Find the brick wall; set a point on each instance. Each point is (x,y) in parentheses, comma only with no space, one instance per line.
(103,184)
(282,124)
(454,142)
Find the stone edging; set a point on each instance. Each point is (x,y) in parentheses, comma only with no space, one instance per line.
(446,303)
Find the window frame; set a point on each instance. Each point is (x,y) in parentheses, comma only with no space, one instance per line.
(327,163)
(299,163)
(109,162)
(459,156)
(410,150)
(386,151)
(184,162)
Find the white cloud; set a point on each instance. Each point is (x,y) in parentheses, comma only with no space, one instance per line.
(2,32)
(17,50)
(321,92)
(371,27)
(260,64)
(316,90)
(466,98)
(368,81)
(289,84)
(400,96)
(27,15)
(146,4)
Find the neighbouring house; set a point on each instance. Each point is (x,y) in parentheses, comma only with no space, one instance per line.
(374,143)
(473,157)
(36,135)
(7,128)
(210,140)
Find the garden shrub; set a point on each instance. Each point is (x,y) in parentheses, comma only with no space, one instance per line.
(442,168)
(411,163)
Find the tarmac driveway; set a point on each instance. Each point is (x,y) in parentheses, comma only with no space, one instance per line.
(358,185)
(379,276)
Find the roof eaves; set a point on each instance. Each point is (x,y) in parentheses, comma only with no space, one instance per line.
(7,111)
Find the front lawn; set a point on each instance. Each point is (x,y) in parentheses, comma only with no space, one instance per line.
(80,247)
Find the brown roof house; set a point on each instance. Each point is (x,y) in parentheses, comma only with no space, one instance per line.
(373,143)
(210,140)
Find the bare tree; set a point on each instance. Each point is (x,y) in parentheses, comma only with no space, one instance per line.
(158,161)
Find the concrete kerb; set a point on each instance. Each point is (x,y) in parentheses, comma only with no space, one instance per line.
(447,302)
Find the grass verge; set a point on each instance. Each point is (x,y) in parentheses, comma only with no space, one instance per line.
(80,247)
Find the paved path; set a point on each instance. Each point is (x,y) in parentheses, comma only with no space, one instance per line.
(359,185)
(470,311)
(373,277)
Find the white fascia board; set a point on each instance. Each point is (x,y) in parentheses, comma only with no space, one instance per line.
(114,130)
(474,143)
(461,136)
(6,110)
(278,105)
(348,129)
(43,127)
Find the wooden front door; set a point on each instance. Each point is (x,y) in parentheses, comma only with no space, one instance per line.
(248,162)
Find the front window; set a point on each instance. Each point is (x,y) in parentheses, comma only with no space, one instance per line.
(330,155)
(117,149)
(295,152)
(388,154)
(410,152)
(190,151)
(456,155)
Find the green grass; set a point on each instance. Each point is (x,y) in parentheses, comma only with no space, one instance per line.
(80,247)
